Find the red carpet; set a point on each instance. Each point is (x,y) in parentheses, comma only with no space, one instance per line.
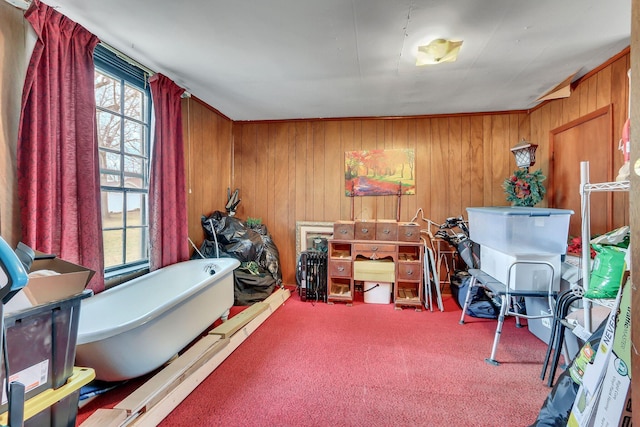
(371,365)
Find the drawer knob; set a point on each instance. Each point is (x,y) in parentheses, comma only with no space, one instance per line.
(386,231)
(340,268)
(409,272)
(365,230)
(374,248)
(343,231)
(409,233)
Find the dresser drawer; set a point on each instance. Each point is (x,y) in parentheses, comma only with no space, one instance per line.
(343,230)
(387,230)
(375,250)
(409,270)
(374,270)
(365,230)
(408,232)
(340,268)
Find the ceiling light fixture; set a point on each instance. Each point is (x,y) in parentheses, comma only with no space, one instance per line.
(439,50)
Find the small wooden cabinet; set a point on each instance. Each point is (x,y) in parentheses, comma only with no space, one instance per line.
(406,257)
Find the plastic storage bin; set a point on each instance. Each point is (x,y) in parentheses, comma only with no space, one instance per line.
(520,230)
(55,408)
(63,413)
(529,277)
(41,345)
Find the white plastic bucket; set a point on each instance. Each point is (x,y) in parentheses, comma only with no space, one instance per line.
(377,292)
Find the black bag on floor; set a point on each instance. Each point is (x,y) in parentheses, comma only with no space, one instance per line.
(480,304)
(252,285)
(557,407)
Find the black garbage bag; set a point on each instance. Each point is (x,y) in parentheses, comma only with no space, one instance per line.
(557,406)
(252,284)
(456,282)
(270,258)
(237,240)
(481,305)
(208,250)
(233,237)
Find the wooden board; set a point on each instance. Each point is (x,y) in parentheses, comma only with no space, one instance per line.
(238,321)
(155,399)
(177,394)
(180,368)
(106,418)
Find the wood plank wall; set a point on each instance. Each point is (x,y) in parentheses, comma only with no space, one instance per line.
(294,170)
(608,85)
(290,171)
(208,151)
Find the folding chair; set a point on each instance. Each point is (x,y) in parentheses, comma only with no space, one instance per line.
(563,304)
(507,296)
(431,276)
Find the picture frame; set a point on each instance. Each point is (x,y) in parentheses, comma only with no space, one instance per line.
(312,235)
(381,172)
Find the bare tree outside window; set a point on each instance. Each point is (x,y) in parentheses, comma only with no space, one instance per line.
(122,117)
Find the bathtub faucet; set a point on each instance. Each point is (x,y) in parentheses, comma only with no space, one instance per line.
(211,268)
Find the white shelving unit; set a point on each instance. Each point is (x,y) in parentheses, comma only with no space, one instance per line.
(586,188)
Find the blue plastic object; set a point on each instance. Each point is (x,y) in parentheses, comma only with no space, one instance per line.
(13,276)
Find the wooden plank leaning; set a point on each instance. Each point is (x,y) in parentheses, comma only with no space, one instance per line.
(156,398)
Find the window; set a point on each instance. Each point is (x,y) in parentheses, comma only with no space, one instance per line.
(123,116)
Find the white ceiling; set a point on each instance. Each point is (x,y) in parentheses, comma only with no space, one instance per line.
(288,59)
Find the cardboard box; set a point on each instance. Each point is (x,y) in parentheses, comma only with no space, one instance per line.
(615,395)
(583,413)
(72,280)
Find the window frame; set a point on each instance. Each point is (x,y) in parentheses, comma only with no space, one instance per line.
(109,63)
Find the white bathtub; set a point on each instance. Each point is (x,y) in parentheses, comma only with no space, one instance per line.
(132,329)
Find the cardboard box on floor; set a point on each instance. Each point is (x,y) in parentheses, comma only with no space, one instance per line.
(71,280)
(614,402)
(604,397)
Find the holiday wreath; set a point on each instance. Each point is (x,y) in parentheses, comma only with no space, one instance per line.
(525,188)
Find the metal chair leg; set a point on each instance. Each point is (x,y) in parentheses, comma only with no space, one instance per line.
(472,284)
(554,331)
(559,339)
(496,339)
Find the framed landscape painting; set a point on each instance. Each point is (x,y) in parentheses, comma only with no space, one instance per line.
(379,172)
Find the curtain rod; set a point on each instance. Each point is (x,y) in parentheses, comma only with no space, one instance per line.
(24,5)
(127,58)
(135,63)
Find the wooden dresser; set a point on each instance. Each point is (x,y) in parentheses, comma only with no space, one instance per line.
(353,259)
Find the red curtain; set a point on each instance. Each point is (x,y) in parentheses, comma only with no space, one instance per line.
(58,175)
(168,230)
